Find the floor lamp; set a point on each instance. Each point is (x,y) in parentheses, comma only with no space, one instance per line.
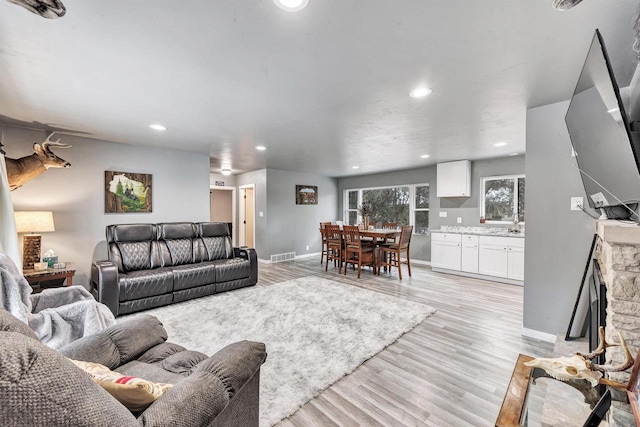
(33,222)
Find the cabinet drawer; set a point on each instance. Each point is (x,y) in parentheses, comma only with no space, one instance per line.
(469,238)
(446,237)
(517,242)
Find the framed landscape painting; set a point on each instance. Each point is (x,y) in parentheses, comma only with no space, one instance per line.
(306,195)
(126,192)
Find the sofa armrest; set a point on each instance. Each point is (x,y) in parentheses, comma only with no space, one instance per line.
(213,383)
(252,256)
(120,343)
(104,282)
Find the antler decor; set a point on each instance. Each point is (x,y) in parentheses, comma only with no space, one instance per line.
(49,9)
(580,367)
(24,169)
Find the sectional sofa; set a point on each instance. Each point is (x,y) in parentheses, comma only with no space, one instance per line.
(151,265)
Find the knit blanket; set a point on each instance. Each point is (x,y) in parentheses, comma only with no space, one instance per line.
(58,316)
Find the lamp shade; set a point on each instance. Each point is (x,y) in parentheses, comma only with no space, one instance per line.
(34,222)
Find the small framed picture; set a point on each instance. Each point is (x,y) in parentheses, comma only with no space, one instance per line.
(306,195)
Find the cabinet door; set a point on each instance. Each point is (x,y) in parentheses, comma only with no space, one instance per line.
(492,260)
(469,257)
(515,267)
(445,255)
(453,179)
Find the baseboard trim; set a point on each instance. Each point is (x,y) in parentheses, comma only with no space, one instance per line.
(539,335)
(420,262)
(479,276)
(311,255)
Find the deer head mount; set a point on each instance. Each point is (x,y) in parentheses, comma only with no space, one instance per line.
(24,169)
(564,4)
(49,9)
(580,367)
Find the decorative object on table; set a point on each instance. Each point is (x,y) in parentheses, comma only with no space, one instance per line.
(49,9)
(40,266)
(306,195)
(580,367)
(24,169)
(50,258)
(33,222)
(365,210)
(127,192)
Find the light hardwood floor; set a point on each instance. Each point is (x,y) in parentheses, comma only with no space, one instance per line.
(451,370)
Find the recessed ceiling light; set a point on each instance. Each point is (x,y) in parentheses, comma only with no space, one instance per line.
(226,171)
(355,167)
(425,156)
(514,154)
(156,126)
(420,92)
(499,144)
(261,148)
(291,5)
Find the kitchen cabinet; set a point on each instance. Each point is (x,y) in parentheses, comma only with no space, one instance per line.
(446,251)
(501,257)
(469,259)
(453,179)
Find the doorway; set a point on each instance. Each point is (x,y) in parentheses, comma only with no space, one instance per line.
(223,207)
(247,216)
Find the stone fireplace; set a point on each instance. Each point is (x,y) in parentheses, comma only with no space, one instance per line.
(619,257)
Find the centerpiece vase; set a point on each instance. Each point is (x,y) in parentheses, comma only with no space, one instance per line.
(365,219)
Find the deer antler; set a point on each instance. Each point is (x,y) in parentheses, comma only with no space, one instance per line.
(602,346)
(48,143)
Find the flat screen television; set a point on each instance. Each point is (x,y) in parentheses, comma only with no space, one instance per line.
(606,150)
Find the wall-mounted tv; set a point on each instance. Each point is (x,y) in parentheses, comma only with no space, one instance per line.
(607,152)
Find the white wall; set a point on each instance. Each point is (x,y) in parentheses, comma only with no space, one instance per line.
(76,195)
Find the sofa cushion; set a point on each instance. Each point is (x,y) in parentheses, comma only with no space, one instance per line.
(149,371)
(216,240)
(177,239)
(145,283)
(232,269)
(130,245)
(133,392)
(135,255)
(193,275)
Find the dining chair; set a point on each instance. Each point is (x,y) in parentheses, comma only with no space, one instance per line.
(391,254)
(323,236)
(334,245)
(355,251)
(390,226)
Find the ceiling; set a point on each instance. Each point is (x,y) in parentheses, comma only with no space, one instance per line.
(323,89)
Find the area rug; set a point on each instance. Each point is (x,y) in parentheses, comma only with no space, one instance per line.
(316,331)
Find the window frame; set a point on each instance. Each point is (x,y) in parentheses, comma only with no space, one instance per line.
(412,201)
(484,179)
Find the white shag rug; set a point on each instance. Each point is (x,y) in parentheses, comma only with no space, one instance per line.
(316,331)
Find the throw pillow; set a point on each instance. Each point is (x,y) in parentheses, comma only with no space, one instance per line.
(134,393)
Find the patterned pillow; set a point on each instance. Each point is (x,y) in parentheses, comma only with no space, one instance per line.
(134,393)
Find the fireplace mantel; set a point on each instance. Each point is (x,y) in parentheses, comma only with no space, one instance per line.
(619,258)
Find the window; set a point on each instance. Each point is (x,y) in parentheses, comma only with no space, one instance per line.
(503,196)
(404,205)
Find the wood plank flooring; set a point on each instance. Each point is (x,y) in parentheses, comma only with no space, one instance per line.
(451,370)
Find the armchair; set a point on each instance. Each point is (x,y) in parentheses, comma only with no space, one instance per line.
(41,386)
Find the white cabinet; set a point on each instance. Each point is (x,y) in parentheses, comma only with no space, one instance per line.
(453,179)
(445,251)
(469,261)
(501,257)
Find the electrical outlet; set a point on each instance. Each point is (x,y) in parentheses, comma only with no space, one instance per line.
(260,214)
(443,214)
(577,203)
(459,219)
(307,247)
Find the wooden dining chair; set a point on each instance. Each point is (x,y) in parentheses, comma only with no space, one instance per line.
(323,242)
(390,226)
(391,254)
(334,245)
(355,251)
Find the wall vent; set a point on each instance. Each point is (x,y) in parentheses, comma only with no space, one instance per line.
(283,257)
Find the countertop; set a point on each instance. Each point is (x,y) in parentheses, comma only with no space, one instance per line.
(480,231)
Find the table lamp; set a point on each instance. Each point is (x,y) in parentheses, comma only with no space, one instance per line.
(33,222)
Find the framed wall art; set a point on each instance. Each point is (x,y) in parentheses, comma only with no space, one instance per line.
(306,195)
(126,192)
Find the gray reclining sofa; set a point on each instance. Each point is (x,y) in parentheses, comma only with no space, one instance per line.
(39,386)
(151,265)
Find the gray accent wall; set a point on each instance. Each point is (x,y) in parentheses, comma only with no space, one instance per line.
(558,239)
(466,207)
(76,195)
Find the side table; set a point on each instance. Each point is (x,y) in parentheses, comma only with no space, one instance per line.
(53,276)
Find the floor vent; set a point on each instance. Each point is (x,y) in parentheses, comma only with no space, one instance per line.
(283,257)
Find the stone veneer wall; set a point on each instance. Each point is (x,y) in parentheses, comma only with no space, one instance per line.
(619,258)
